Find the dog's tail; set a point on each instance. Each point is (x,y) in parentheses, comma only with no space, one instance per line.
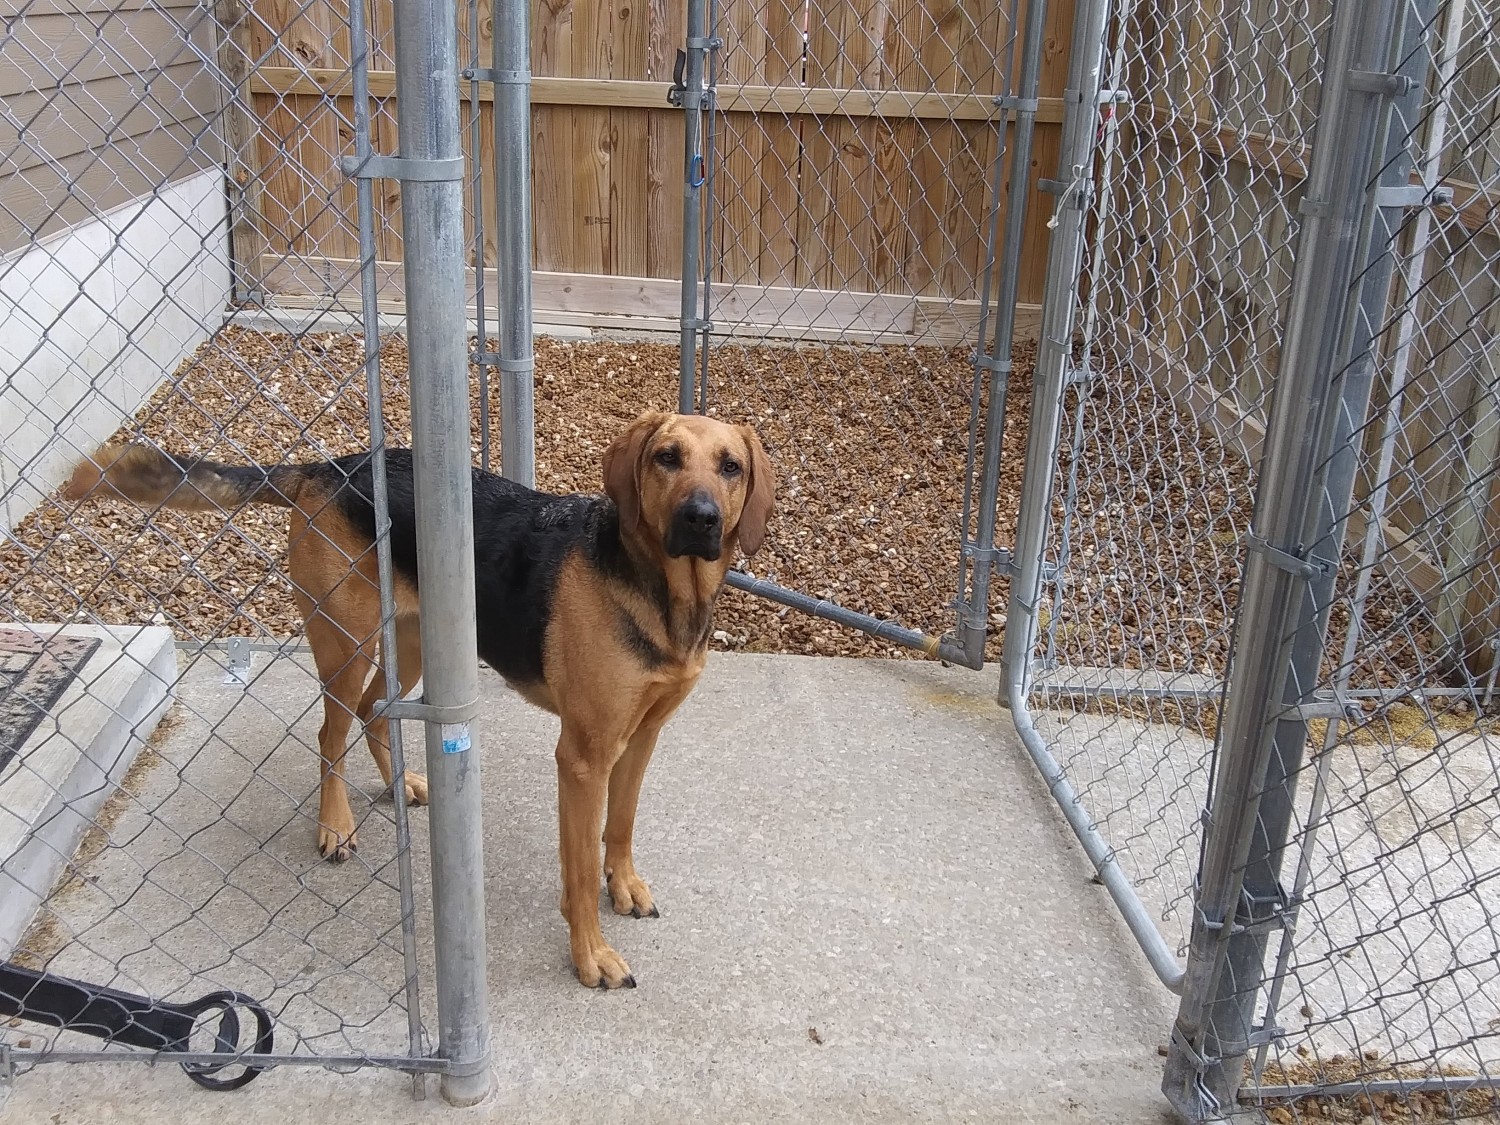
(154,478)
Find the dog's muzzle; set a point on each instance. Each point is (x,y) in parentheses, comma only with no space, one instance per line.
(697,529)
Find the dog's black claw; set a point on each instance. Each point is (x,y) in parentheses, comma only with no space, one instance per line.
(603,985)
(655,913)
(629,982)
(635,912)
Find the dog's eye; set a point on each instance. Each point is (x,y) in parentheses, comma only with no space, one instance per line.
(668,458)
(730,467)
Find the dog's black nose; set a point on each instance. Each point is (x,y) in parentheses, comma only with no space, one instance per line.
(699,513)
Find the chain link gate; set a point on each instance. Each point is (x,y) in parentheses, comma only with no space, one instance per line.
(856,283)
(159,885)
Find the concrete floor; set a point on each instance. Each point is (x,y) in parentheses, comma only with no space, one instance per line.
(856,847)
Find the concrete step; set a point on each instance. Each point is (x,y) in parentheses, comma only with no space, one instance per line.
(77,704)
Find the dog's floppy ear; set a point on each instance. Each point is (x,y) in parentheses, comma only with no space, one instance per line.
(760,496)
(622,467)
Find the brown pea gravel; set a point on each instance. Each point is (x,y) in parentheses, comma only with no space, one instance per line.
(869,445)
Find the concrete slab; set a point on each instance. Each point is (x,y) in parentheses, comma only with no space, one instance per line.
(871,911)
(109,688)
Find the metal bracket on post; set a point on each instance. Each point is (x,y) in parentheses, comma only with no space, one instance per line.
(1380,82)
(1284,560)
(403,168)
(1412,196)
(424,712)
(238,672)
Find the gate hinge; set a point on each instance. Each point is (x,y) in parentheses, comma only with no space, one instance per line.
(1412,195)
(1021,105)
(698,325)
(406,169)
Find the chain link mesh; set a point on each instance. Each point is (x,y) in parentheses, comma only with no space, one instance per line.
(852,172)
(159,719)
(1389,973)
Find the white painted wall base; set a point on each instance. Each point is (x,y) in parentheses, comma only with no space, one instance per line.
(94,319)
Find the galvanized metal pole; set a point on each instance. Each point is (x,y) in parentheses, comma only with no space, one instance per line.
(513,235)
(431,171)
(1074,190)
(692,199)
(1023,101)
(1293,549)
(370,310)
(1408,59)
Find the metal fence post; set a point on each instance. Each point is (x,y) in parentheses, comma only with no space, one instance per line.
(692,198)
(513,233)
(1021,99)
(1294,548)
(432,219)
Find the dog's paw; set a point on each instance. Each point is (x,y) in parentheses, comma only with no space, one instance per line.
(630,895)
(337,846)
(416,789)
(601,967)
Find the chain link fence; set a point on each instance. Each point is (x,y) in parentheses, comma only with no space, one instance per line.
(1343,948)
(159,713)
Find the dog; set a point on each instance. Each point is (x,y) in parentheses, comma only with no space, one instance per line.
(596,608)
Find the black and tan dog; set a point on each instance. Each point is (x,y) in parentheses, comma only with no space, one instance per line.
(595,608)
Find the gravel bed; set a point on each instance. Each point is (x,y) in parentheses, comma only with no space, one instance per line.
(870,446)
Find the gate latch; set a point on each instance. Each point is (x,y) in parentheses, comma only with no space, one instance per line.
(679,80)
(137,1021)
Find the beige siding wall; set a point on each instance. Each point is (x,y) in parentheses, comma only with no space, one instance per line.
(100,105)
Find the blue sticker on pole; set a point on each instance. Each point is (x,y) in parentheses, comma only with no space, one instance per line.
(455,738)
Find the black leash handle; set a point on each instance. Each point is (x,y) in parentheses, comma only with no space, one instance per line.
(137,1021)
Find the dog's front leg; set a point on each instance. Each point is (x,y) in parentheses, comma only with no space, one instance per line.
(583,769)
(627,890)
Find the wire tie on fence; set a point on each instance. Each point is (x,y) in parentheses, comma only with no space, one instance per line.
(405,169)
(1284,560)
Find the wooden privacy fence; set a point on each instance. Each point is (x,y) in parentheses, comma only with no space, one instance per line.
(1196,254)
(854,143)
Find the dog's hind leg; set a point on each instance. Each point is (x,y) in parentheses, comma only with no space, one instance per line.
(377,731)
(343,666)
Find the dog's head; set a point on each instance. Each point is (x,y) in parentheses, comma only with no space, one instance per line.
(693,484)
